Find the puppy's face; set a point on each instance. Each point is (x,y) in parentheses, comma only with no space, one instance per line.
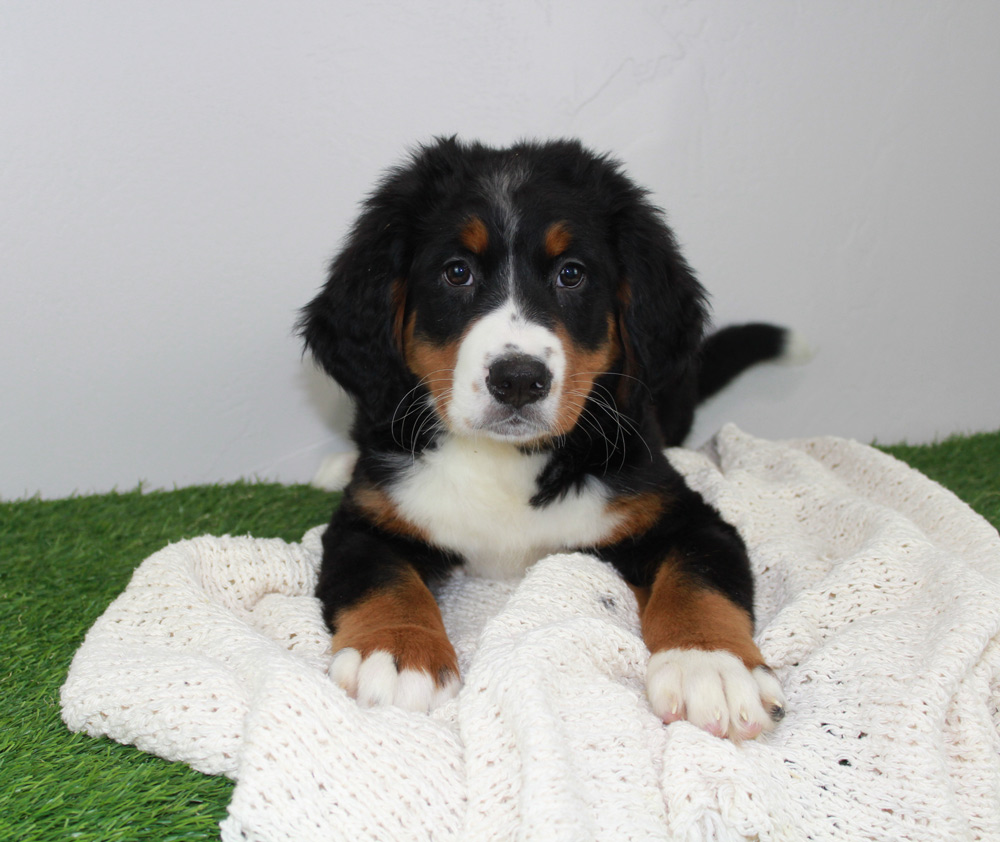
(509,311)
(490,290)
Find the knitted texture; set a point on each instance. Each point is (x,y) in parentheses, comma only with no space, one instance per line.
(878,605)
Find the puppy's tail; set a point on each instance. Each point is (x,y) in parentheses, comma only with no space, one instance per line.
(730,351)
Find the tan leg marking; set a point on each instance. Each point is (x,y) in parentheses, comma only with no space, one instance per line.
(704,665)
(677,613)
(403,620)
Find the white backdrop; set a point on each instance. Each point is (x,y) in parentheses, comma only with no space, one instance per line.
(174,178)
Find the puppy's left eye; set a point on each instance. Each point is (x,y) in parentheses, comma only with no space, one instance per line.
(570,276)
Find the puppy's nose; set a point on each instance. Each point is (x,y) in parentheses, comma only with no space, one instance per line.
(518,380)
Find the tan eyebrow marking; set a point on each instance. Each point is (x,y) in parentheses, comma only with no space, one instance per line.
(557,239)
(474,235)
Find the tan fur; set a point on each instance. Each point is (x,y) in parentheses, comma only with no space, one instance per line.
(638,513)
(382,512)
(433,364)
(474,236)
(557,239)
(677,613)
(398,311)
(582,368)
(402,619)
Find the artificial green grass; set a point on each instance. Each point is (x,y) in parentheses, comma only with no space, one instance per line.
(968,465)
(63,561)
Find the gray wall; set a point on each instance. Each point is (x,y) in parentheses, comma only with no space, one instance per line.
(175,177)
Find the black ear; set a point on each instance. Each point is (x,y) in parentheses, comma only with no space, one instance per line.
(663,312)
(353,327)
(348,326)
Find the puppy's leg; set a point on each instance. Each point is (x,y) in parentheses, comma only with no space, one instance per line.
(390,643)
(705,666)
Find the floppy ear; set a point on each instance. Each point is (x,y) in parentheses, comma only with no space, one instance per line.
(349,327)
(662,307)
(354,326)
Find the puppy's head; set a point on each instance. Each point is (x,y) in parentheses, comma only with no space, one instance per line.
(500,291)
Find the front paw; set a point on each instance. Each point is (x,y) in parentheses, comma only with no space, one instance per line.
(410,676)
(715,691)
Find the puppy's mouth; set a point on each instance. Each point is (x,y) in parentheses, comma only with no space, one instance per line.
(514,425)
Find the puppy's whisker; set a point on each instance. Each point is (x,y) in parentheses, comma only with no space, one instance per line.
(417,408)
(414,411)
(587,419)
(641,383)
(428,417)
(611,404)
(592,377)
(621,422)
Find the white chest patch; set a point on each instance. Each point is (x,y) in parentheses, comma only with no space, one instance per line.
(472,496)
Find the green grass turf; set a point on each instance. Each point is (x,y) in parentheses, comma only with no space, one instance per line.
(968,465)
(63,561)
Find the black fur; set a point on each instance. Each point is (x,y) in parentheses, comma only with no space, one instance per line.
(636,276)
(353,537)
(348,326)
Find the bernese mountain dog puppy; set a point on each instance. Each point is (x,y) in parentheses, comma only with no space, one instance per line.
(522,337)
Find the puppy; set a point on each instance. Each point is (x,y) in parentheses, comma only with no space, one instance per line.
(522,337)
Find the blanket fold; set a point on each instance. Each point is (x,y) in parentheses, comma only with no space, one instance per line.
(878,605)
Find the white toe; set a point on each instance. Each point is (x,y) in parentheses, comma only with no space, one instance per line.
(344,670)
(446,692)
(414,691)
(664,686)
(375,681)
(771,694)
(715,691)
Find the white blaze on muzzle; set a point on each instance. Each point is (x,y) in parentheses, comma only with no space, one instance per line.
(509,378)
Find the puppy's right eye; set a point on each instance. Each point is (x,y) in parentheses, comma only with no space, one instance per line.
(458,274)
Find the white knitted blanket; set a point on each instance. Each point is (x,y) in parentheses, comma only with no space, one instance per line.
(878,605)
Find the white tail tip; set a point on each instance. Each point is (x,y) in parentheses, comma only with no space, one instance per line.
(796,350)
